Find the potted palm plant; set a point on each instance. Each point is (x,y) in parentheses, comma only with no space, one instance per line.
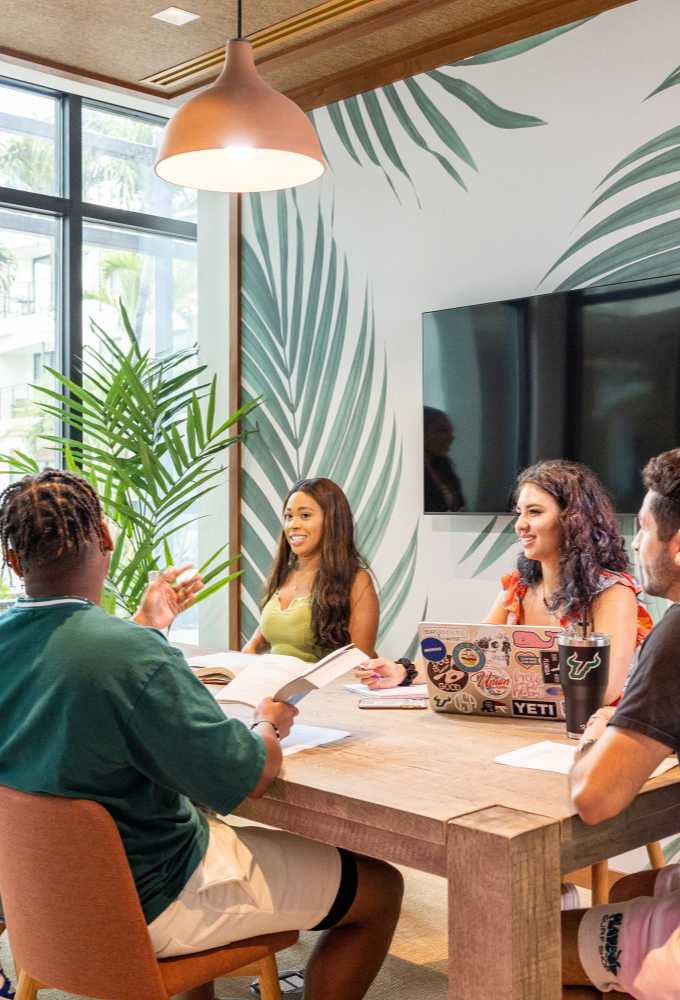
(142,431)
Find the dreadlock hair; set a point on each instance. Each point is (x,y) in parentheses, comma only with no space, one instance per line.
(591,539)
(49,516)
(340,562)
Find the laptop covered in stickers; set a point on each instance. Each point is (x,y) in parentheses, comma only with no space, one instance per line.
(507,671)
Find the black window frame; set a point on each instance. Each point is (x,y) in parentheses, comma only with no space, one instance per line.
(69,209)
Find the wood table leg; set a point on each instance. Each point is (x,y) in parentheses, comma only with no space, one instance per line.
(504,906)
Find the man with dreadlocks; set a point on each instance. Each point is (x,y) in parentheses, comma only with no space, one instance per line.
(100,708)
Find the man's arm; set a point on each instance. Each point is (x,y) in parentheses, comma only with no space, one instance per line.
(273,721)
(605,779)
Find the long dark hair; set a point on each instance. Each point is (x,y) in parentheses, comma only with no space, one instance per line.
(338,566)
(591,539)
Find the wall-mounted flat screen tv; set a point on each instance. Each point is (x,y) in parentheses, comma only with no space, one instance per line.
(591,375)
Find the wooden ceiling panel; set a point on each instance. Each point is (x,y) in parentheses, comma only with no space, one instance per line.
(315,51)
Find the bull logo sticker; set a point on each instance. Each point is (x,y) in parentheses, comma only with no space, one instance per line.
(579,669)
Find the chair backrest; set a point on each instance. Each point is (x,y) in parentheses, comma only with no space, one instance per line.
(70,902)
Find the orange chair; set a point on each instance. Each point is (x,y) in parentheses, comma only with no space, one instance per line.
(74,917)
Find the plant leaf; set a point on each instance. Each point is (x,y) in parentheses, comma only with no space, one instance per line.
(442,127)
(669,138)
(482,105)
(665,236)
(523,45)
(412,132)
(504,541)
(659,202)
(479,539)
(672,80)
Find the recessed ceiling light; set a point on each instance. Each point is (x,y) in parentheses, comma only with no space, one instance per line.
(176,16)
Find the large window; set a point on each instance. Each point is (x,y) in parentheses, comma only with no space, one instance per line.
(84,224)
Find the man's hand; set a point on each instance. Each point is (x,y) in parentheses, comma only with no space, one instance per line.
(597,723)
(280,713)
(164,599)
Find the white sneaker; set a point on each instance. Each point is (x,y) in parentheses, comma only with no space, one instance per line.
(570,897)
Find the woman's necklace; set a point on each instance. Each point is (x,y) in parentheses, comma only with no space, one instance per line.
(546,603)
(302,580)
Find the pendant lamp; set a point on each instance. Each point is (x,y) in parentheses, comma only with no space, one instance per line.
(240,134)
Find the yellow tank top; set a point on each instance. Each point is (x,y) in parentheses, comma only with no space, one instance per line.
(289,632)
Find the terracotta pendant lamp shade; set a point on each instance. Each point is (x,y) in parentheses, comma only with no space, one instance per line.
(240,135)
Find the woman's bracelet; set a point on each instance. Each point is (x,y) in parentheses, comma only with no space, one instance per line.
(411,672)
(258,722)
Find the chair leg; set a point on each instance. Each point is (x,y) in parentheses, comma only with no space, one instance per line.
(27,988)
(269,979)
(600,882)
(655,854)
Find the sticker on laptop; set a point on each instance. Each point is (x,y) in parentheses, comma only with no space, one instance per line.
(465,702)
(526,638)
(492,683)
(433,649)
(468,657)
(446,677)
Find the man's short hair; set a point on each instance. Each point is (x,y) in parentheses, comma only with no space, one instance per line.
(661,477)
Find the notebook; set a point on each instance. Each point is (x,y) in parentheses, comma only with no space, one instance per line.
(508,671)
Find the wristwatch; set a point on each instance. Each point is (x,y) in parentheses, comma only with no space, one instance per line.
(411,672)
(258,722)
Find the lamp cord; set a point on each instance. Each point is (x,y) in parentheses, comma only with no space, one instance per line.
(239,19)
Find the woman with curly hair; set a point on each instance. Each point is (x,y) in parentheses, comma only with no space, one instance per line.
(573,568)
(319,595)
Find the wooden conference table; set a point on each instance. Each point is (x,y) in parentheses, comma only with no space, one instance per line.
(422,790)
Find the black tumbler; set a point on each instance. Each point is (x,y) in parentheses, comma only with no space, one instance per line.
(584,672)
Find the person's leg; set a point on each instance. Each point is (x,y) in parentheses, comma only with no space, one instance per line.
(347,957)
(255,880)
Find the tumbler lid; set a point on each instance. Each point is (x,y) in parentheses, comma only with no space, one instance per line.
(587,642)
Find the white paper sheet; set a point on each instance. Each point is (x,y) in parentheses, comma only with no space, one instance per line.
(558,757)
(413,691)
(303,737)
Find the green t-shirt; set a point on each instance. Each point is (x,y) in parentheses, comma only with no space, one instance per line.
(98,708)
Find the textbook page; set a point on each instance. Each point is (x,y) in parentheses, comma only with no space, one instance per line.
(222,667)
(285,678)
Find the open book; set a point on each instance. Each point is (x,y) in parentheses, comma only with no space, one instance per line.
(220,668)
(283,678)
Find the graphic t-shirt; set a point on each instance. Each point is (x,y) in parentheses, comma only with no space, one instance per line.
(98,708)
(651,702)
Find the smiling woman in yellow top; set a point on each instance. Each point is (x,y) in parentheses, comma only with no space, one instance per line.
(319,595)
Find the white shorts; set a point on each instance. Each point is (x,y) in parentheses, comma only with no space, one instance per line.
(252,880)
(634,946)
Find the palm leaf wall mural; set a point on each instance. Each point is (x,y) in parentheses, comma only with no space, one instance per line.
(653,249)
(422,109)
(672,80)
(299,333)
